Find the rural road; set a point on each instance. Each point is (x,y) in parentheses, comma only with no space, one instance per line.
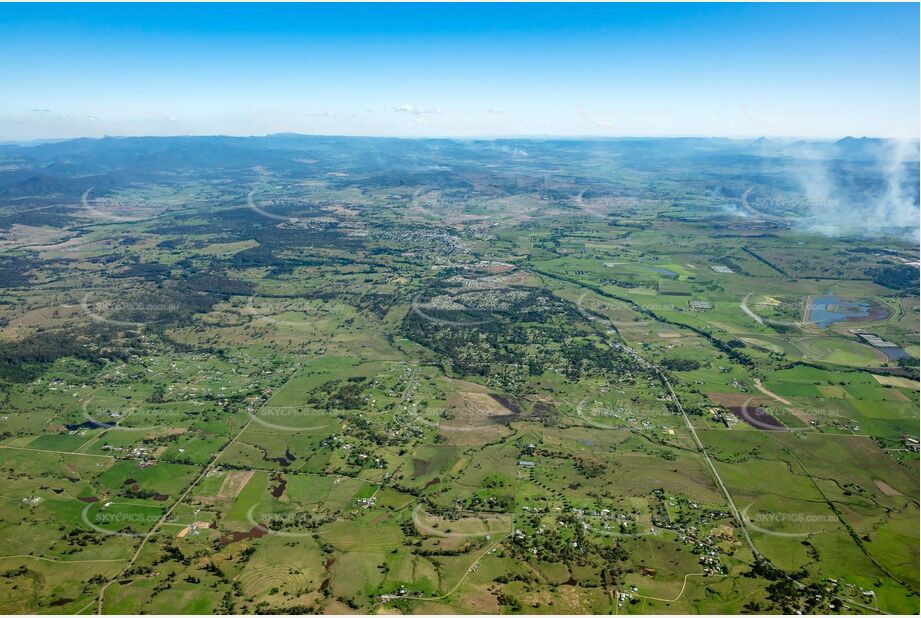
(773,396)
(166,516)
(751,314)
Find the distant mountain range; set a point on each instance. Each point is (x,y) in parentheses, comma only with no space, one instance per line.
(852,173)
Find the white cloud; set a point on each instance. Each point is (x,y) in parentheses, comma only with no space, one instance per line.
(415,111)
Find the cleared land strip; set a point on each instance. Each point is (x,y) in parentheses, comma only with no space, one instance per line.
(42,450)
(765,261)
(61,561)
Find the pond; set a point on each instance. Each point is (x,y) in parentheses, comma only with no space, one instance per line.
(669,274)
(88,425)
(895,353)
(828,309)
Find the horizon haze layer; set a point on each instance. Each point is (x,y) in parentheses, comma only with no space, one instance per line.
(654,70)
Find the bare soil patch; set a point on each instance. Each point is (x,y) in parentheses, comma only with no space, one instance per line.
(234,483)
(758,418)
(887,489)
(477,418)
(733,400)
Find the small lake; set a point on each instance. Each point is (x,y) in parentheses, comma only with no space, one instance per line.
(828,309)
(895,353)
(88,425)
(670,274)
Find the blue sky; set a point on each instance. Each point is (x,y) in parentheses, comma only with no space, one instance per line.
(806,70)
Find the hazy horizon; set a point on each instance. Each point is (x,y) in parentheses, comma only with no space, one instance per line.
(460,309)
(475,71)
(740,138)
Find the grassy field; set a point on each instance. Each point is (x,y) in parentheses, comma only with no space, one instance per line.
(436,392)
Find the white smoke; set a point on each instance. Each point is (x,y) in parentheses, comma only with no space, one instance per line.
(841,204)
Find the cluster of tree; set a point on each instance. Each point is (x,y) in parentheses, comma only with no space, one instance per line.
(24,360)
(681,364)
(176,301)
(540,339)
(901,277)
(149,271)
(13,271)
